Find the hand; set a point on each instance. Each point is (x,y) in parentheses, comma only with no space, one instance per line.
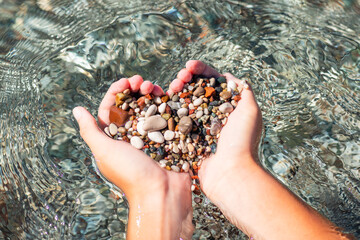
(239,138)
(160,198)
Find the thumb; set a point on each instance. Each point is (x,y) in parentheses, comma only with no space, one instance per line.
(90,131)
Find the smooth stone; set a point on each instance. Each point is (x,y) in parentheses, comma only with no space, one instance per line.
(198,102)
(206,111)
(136,142)
(125,106)
(157,100)
(113,129)
(140,128)
(215,127)
(199,114)
(175,148)
(221,80)
(226,108)
(182,112)
(186,167)
(231,86)
(175,168)
(212,82)
(190,147)
(171,124)
(122,130)
(162,108)
(185,125)
(169,135)
(225,95)
(128,124)
(154,123)
(118,116)
(106,130)
(156,136)
(199,91)
(174,105)
(175,98)
(151,111)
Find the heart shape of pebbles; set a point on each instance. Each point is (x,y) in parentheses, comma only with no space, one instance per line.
(177,131)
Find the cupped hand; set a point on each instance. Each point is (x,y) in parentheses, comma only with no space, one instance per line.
(142,180)
(239,139)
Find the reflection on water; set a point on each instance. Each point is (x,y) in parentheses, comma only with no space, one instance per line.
(303,59)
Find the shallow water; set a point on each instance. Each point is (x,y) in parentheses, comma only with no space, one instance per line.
(303,59)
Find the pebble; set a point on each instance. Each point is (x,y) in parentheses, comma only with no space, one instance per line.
(209,91)
(226,107)
(190,147)
(231,86)
(156,136)
(169,135)
(185,125)
(175,148)
(162,108)
(215,126)
(175,98)
(157,100)
(171,124)
(128,124)
(182,112)
(212,82)
(125,106)
(151,111)
(199,91)
(137,142)
(225,95)
(198,102)
(175,168)
(140,128)
(106,130)
(174,105)
(118,116)
(154,123)
(221,80)
(199,114)
(113,129)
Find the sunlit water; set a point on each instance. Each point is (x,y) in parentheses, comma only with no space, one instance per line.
(303,59)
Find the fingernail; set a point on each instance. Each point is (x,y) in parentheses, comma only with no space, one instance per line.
(77,113)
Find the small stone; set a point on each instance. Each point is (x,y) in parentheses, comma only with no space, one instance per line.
(118,116)
(182,112)
(221,80)
(166,116)
(140,128)
(125,106)
(136,142)
(128,124)
(226,107)
(175,149)
(225,95)
(199,91)
(169,135)
(171,124)
(113,129)
(206,111)
(215,127)
(190,147)
(151,111)
(175,98)
(122,130)
(175,168)
(174,105)
(154,123)
(199,114)
(212,82)
(157,100)
(185,125)
(209,91)
(198,102)
(156,136)
(165,98)
(106,130)
(231,86)
(186,167)
(191,106)
(162,108)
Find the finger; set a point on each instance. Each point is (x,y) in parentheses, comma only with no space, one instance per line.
(109,100)
(184,75)
(135,83)
(146,87)
(90,132)
(199,68)
(157,91)
(176,85)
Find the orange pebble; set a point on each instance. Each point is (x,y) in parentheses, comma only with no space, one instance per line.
(237,98)
(209,91)
(118,116)
(184,95)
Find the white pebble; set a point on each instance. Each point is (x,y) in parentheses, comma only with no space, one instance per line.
(182,112)
(156,137)
(140,129)
(157,100)
(198,102)
(128,124)
(106,130)
(231,86)
(112,129)
(151,111)
(162,108)
(136,142)
(206,111)
(175,148)
(199,114)
(125,106)
(186,166)
(191,106)
(175,168)
(169,135)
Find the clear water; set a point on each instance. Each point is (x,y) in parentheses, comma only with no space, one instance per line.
(303,58)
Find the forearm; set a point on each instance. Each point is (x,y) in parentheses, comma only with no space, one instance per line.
(263,208)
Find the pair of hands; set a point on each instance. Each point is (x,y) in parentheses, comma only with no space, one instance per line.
(146,185)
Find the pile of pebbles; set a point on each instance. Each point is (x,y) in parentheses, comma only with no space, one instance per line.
(177,131)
